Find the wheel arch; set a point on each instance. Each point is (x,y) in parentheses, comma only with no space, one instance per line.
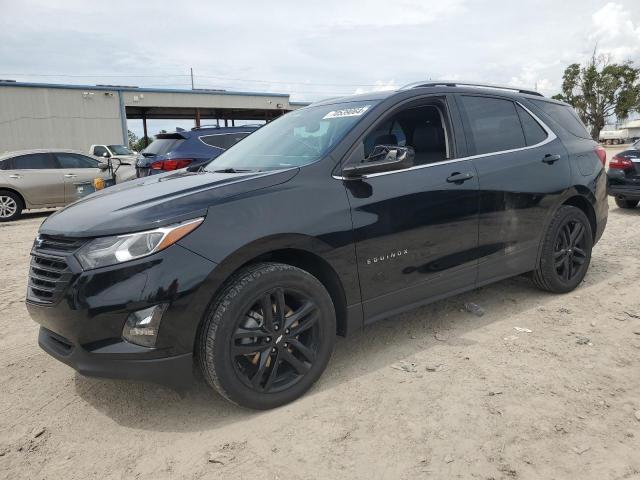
(581,202)
(299,251)
(15,192)
(578,197)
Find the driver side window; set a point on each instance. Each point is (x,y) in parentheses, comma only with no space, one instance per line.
(423,128)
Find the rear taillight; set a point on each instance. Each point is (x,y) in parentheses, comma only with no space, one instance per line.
(602,154)
(173,164)
(620,163)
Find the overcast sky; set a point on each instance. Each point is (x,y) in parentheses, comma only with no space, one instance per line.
(311,50)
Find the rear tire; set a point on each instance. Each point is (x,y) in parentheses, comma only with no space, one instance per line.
(624,203)
(566,251)
(10,206)
(268,336)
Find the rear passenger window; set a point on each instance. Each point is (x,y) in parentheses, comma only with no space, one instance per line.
(224,140)
(533,131)
(493,123)
(565,116)
(33,161)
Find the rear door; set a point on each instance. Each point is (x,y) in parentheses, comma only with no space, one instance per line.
(78,172)
(37,178)
(523,170)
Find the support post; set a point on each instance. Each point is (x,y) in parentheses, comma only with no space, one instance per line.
(197,117)
(123,119)
(144,127)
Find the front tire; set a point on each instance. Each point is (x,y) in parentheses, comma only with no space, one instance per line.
(624,203)
(566,251)
(268,336)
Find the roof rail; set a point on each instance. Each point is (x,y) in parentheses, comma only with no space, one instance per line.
(456,83)
(205,126)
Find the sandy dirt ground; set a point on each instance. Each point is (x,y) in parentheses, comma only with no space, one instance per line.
(436,393)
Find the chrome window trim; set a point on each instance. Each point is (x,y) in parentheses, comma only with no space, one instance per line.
(550,138)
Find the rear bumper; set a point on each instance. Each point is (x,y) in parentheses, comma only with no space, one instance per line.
(623,191)
(119,361)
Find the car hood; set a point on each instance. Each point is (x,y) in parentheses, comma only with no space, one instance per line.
(155,201)
(127,158)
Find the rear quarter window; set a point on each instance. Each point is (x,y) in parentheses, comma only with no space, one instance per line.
(565,116)
(533,131)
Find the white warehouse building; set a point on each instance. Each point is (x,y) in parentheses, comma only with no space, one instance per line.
(38,115)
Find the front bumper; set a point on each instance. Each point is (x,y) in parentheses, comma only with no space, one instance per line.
(82,326)
(119,361)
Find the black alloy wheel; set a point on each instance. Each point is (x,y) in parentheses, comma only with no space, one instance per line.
(565,252)
(276,342)
(569,254)
(267,336)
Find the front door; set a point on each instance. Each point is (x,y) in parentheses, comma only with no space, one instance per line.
(79,173)
(416,230)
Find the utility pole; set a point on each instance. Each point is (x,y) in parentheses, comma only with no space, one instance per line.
(192,79)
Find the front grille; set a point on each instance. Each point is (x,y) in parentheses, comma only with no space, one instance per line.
(50,273)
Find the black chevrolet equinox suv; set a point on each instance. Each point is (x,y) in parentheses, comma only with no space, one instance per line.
(325,220)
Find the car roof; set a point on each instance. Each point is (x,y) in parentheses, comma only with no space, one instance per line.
(15,153)
(437,87)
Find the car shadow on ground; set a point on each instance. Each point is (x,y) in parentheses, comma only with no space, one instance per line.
(625,211)
(150,407)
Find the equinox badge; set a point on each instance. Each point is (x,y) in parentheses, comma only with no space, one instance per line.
(388,256)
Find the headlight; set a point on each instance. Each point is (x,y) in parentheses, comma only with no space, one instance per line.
(104,251)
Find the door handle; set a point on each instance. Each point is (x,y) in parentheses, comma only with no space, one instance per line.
(15,176)
(70,175)
(550,159)
(459,178)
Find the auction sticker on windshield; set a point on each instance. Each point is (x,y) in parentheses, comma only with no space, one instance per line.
(347,112)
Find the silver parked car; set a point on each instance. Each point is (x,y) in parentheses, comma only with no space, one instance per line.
(47,178)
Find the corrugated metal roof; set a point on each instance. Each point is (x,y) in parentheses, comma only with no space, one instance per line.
(115,88)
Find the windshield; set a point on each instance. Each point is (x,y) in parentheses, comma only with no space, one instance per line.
(293,140)
(120,150)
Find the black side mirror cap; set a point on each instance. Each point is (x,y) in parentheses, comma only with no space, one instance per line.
(384,158)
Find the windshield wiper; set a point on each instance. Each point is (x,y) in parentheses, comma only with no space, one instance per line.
(232,170)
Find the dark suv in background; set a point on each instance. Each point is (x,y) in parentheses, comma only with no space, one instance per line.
(624,177)
(188,148)
(325,220)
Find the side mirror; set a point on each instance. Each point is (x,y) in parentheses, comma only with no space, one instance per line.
(106,155)
(103,166)
(384,158)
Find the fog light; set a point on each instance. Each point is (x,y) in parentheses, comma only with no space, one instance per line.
(142,326)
